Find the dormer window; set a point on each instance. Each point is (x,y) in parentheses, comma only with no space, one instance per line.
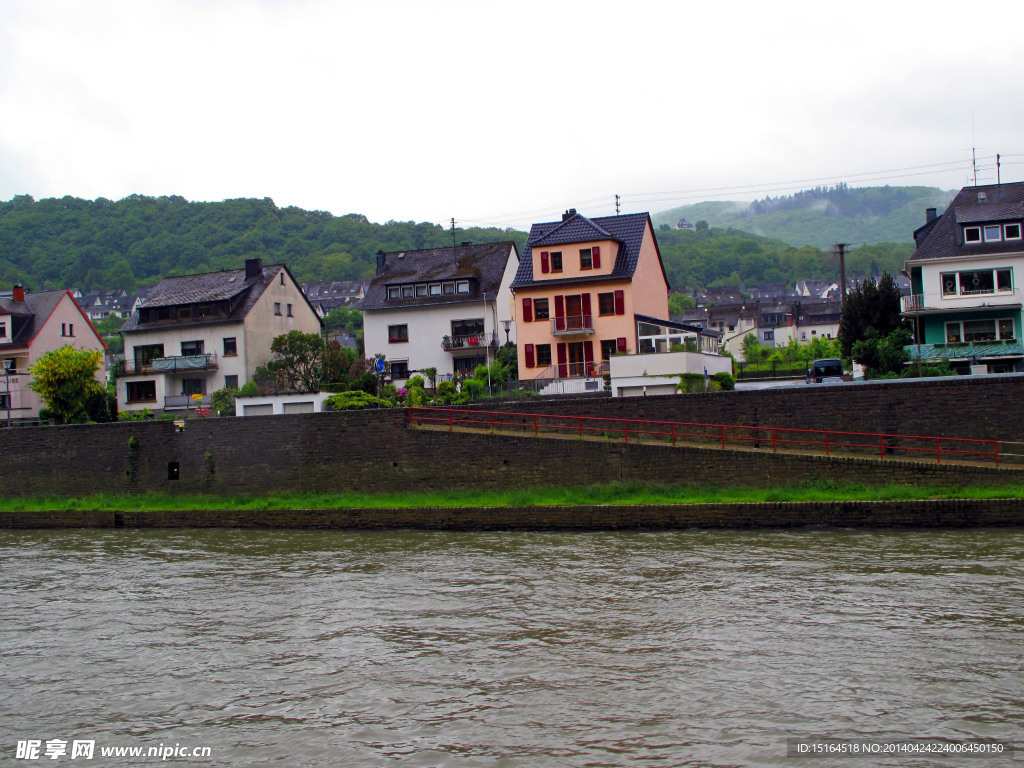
(993,232)
(407,291)
(972,234)
(394,292)
(1011,232)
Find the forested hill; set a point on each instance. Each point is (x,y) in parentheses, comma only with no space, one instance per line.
(92,244)
(102,244)
(823,216)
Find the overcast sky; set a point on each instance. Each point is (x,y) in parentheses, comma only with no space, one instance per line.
(502,113)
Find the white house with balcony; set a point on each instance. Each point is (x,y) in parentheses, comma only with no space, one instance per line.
(965,302)
(196,334)
(443,308)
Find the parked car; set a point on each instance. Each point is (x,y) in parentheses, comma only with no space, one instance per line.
(825,371)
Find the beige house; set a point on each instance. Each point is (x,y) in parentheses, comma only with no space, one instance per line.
(32,324)
(196,334)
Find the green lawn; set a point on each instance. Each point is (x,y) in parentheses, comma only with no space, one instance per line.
(617,494)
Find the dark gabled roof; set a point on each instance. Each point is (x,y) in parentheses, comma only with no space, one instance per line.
(627,230)
(943,237)
(483,265)
(230,285)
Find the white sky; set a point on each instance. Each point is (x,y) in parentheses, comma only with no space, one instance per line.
(502,113)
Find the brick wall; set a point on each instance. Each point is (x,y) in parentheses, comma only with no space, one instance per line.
(375,451)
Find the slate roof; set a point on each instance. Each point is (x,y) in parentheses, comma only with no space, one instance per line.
(627,230)
(944,239)
(37,307)
(230,284)
(484,266)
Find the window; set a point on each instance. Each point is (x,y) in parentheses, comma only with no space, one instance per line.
(586,258)
(4,401)
(1011,232)
(193,386)
(3,330)
(192,347)
(1004,280)
(184,313)
(468,364)
(993,232)
(141,391)
(231,382)
(606,303)
(952,333)
(540,309)
(421,290)
(398,334)
(435,289)
(543,355)
(448,289)
(407,291)
(972,234)
(230,346)
(607,348)
(769,335)
(146,354)
(1006,329)
(277,308)
(556,261)
(162,315)
(399,369)
(468,332)
(290,311)
(462,286)
(282,278)
(394,292)
(67,329)
(948,283)
(977,282)
(979,330)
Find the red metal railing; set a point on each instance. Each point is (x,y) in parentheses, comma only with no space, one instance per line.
(829,442)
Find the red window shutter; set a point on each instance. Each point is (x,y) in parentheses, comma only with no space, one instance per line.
(596,251)
(588,320)
(527,310)
(559,313)
(563,361)
(588,351)
(530,359)
(620,302)
(620,344)
(545,262)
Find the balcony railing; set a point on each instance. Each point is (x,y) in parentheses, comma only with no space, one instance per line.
(188,401)
(572,324)
(912,303)
(469,341)
(201,362)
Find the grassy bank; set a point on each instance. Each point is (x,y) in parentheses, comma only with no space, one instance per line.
(614,494)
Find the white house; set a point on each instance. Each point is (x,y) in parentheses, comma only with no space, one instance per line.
(442,308)
(195,334)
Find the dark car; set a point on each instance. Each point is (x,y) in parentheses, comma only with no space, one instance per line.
(825,371)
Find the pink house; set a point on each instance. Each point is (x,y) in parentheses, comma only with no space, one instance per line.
(32,324)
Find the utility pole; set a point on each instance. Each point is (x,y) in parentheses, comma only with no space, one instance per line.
(840,250)
(453,232)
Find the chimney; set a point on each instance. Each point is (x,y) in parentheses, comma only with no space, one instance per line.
(929,215)
(568,214)
(253,268)
(18,294)
(382,260)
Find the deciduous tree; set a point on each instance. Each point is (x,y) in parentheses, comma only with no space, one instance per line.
(66,381)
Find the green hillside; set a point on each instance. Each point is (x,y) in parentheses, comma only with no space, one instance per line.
(823,216)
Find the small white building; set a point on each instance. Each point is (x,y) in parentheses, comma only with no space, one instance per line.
(440,308)
(658,374)
(267,405)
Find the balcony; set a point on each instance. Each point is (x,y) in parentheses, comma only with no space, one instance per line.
(202,362)
(470,341)
(188,401)
(572,325)
(912,303)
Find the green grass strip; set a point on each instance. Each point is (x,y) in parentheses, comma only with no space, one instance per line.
(610,494)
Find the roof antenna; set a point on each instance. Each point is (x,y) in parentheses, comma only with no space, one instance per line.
(974,159)
(616,205)
(999,179)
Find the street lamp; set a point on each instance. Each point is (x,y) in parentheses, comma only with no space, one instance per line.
(7,382)
(507,325)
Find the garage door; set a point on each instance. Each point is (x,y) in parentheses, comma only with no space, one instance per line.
(303,407)
(259,410)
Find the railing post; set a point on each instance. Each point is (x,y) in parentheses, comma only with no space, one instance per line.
(535,425)
(775,441)
(449,419)
(995,444)
(723,436)
(492,421)
(625,431)
(826,443)
(579,425)
(673,425)
(938,450)
(881,446)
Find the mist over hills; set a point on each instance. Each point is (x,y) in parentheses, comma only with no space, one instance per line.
(823,216)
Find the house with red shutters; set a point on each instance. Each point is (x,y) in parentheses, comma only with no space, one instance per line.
(587,289)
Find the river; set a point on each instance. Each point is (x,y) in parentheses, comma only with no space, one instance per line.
(691,648)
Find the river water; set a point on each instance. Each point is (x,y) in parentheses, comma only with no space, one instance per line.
(508,649)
